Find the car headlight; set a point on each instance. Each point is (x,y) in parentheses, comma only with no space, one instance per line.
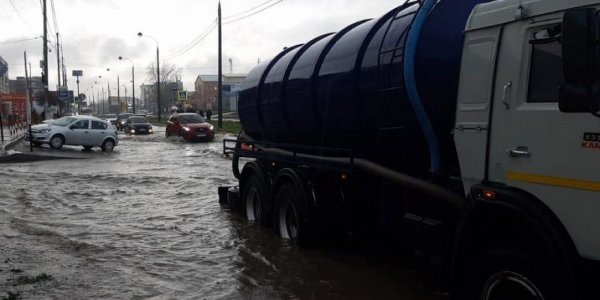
(186,128)
(150,129)
(132,130)
(211,128)
(45,130)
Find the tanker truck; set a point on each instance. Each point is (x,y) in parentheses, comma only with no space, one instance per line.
(467,129)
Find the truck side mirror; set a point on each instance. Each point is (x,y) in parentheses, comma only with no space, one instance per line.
(579,98)
(579,49)
(580,55)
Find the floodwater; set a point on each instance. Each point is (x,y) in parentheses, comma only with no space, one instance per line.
(144,223)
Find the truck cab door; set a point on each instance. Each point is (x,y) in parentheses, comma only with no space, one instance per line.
(533,145)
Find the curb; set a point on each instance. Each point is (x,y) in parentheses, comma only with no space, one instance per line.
(10,144)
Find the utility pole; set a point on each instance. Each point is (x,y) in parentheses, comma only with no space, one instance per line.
(133,86)
(158,80)
(58,69)
(58,58)
(45,67)
(220,72)
(28,101)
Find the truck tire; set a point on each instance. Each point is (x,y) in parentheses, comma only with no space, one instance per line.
(254,199)
(291,221)
(499,274)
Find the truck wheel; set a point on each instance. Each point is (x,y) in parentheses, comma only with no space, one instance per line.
(254,206)
(291,215)
(509,275)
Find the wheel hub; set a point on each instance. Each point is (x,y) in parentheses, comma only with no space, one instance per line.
(510,285)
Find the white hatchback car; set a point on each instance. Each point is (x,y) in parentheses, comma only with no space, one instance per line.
(86,131)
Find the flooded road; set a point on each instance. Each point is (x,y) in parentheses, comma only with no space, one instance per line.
(144,223)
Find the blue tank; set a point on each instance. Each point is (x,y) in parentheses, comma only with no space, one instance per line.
(385,88)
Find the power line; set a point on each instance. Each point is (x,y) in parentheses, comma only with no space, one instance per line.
(20,16)
(18,41)
(194,42)
(54,16)
(248,10)
(52,34)
(252,14)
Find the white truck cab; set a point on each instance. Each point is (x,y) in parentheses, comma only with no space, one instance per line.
(528,133)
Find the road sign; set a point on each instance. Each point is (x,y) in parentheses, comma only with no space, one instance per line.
(77,73)
(65,96)
(182,95)
(173,86)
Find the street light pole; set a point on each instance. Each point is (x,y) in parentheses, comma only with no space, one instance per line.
(220,123)
(108,88)
(157,73)
(118,87)
(132,79)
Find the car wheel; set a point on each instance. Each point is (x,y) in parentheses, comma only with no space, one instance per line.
(167,134)
(108,146)
(57,141)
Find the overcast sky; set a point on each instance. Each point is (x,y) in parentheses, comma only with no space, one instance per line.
(96,32)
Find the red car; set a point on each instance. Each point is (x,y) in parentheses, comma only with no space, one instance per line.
(190,126)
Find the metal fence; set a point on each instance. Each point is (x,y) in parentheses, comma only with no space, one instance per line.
(13,131)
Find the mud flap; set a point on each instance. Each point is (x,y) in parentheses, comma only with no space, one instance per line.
(229,197)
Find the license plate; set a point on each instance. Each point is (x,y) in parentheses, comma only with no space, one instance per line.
(201,135)
(140,130)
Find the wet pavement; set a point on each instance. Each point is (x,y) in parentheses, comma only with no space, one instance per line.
(144,223)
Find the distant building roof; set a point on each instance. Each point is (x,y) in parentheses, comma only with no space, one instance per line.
(215,78)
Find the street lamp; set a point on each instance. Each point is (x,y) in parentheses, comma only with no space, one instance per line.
(157,72)
(132,79)
(108,99)
(94,108)
(118,86)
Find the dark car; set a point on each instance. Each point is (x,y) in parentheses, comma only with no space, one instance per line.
(137,125)
(122,119)
(190,126)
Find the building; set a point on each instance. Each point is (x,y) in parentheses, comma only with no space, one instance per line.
(18,86)
(4,82)
(206,91)
(168,96)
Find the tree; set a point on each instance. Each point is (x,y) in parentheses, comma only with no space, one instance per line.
(168,73)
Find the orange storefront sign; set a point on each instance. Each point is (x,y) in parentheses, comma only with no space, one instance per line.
(13,108)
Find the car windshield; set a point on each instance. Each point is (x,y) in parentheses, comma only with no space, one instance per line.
(124,116)
(138,120)
(189,119)
(112,116)
(64,121)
